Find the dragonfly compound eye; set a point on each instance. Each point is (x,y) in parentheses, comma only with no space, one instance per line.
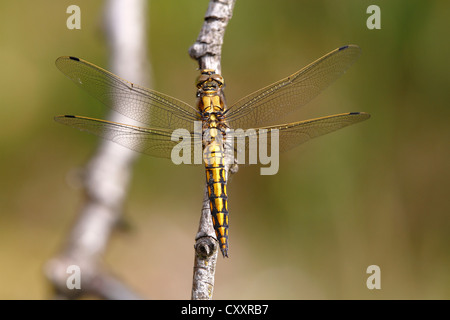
(218,78)
(201,79)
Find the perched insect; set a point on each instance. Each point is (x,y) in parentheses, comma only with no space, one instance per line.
(162,114)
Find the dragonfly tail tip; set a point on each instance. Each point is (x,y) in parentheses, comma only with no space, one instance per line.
(224,252)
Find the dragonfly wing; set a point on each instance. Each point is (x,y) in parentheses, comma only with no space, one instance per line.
(294,134)
(273,102)
(144,105)
(154,142)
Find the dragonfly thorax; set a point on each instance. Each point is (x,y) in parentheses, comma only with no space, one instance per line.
(209,92)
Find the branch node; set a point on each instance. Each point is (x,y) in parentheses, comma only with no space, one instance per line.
(205,247)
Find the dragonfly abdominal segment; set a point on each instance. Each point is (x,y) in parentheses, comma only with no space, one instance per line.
(213,133)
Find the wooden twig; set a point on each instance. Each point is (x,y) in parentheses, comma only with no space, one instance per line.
(107,175)
(207,51)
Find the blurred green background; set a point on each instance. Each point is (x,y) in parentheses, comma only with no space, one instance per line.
(374,193)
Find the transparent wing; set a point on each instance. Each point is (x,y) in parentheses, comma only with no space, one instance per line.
(294,134)
(144,105)
(154,142)
(270,104)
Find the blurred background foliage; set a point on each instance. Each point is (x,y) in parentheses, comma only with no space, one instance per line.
(374,193)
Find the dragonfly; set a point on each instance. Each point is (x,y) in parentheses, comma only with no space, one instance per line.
(161,115)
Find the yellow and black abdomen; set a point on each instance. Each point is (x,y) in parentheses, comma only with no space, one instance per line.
(216,181)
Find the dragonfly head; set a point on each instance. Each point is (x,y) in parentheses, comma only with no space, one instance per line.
(209,81)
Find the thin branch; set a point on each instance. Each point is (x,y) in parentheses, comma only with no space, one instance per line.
(207,51)
(107,175)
